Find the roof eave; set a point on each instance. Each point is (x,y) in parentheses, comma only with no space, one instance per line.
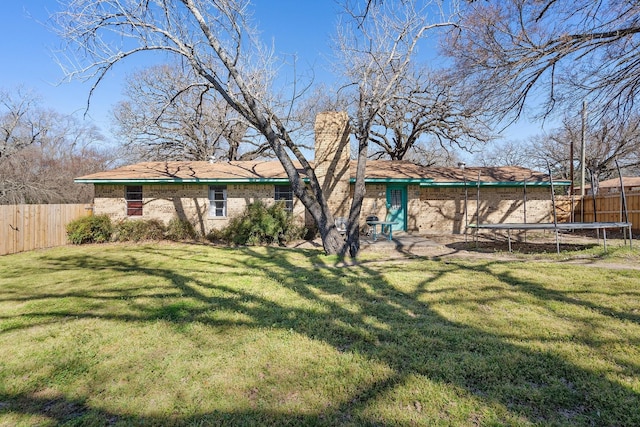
(423,182)
(182,181)
(495,184)
(394,180)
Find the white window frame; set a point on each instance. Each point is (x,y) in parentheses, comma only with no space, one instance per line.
(284,190)
(218,206)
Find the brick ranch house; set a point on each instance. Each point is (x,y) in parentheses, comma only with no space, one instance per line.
(423,200)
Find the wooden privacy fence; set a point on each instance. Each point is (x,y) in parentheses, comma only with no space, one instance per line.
(27,227)
(564,207)
(608,208)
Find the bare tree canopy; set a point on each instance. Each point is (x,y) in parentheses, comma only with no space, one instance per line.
(505,153)
(42,151)
(428,109)
(217,41)
(432,153)
(167,117)
(19,126)
(607,140)
(374,53)
(553,53)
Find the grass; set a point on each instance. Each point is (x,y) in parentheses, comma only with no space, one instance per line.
(171,334)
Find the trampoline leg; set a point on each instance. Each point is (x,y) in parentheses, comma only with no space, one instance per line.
(509,238)
(557,242)
(604,238)
(630,237)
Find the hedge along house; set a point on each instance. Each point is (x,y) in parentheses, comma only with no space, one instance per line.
(420,199)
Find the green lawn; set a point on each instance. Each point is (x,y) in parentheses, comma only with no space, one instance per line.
(164,334)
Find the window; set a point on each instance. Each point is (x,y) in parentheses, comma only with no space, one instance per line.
(218,200)
(396,199)
(133,197)
(285,193)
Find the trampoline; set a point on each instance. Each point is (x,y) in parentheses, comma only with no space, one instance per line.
(625,226)
(565,226)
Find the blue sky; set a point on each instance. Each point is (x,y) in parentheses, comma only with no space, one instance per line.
(301,27)
(28,61)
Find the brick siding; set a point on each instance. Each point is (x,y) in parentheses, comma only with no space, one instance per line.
(185,201)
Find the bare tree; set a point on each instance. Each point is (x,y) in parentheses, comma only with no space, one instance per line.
(168,117)
(431,153)
(558,53)
(428,105)
(607,140)
(45,174)
(42,153)
(505,153)
(374,54)
(216,40)
(20,125)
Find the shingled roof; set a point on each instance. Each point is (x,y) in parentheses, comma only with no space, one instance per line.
(191,171)
(502,174)
(272,171)
(628,181)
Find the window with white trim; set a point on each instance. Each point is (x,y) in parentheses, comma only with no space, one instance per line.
(396,199)
(284,193)
(133,198)
(218,201)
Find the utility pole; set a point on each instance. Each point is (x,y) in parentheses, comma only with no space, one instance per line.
(583,156)
(583,149)
(571,171)
(571,177)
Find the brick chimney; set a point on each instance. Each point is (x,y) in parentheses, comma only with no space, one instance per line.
(332,158)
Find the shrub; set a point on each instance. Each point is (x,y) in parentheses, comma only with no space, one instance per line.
(180,229)
(90,229)
(217,236)
(309,233)
(260,224)
(138,230)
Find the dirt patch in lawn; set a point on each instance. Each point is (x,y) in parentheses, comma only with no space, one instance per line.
(583,249)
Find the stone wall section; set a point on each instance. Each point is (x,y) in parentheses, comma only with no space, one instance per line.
(109,200)
(432,210)
(414,208)
(374,203)
(429,209)
(185,201)
(442,209)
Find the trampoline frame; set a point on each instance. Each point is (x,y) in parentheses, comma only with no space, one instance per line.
(567,226)
(555,226)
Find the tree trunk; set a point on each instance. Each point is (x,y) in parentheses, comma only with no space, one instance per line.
(332,241)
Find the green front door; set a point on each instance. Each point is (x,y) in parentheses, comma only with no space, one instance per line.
(397,206)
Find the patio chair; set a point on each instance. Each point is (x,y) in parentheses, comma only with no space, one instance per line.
(341,225)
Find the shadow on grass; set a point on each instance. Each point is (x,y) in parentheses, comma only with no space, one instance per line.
(408,336)
(530,247)
(63,411)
